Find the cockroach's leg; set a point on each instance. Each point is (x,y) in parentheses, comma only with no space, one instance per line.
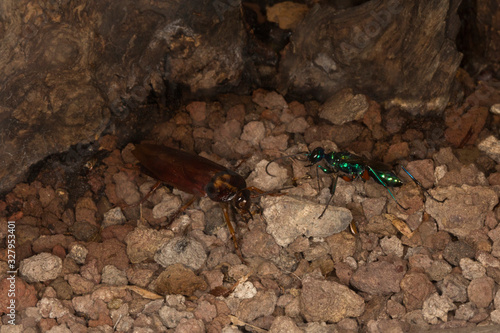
(225,210)
(182,209)
(151,191)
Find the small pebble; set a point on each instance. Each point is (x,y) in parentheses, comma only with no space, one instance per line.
(42,267)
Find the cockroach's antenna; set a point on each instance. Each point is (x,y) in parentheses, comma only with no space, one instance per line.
(283,157)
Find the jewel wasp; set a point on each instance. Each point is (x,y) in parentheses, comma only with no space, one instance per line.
(350,167)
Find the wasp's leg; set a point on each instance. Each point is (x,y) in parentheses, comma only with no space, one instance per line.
(333,187)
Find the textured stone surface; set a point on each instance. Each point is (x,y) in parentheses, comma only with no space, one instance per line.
(328,301)
(289,218)
(42,267)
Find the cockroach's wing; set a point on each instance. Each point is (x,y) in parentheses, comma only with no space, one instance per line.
(187,172)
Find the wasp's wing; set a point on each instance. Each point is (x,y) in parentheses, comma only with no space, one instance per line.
(384,174)
(379,166)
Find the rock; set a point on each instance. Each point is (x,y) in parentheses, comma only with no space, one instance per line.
(323,300)
(437,307)
(344,106)
(177,302)
(284,324)
(50,307)
(237,112)
(262,180)
(373,206)
(42,267)
(205,311)
(457,250)
(342,245)
(279,142)
(254,132)
(299,125)
(468,174)
(423,170)
(378,278)
(171,317)
(378,26)
(472,269)
(495,316)
(168,206)
(466,311)
(197,111)
(269,99)
(141,275)
(177,279)
(262,304)
(26,295)
(46,243)
(288,218)
(491,147)
(113,217)
(257,243)
(109,252)
(416,288)
(395,309)
(181,250)
(385,325)
(46,195)
(79,285)
(113,276)
(438,270)
(397,152)
(419,261)
(464,210)
(229,130)
(287,14)
(90,271)
(381,225)
(480,291)
(392,246)
(90,307)
(245,290)
(143,243)
(460,119)
(126,189)
(78,253)
(190,326)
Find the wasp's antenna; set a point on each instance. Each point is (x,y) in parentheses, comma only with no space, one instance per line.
(421,186)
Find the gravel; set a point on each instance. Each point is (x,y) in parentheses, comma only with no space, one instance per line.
(93,261)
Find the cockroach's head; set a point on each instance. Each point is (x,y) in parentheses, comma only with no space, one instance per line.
(242,202)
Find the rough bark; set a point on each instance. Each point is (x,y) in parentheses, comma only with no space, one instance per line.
(66,68)
(400,53)
(480,35)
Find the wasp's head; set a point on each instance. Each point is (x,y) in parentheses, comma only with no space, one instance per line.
(316,155)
